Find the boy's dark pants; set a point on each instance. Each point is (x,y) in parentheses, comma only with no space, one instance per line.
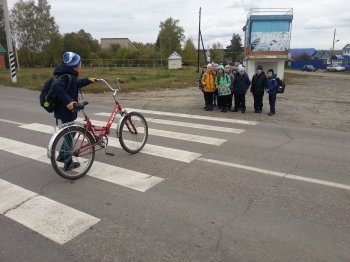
(208,96)
(225,101)
(272,101)
(240,102)
(258,102)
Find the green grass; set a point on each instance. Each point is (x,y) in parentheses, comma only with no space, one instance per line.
(135,79)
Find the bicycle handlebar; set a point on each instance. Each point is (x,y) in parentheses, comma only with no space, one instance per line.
(110,87)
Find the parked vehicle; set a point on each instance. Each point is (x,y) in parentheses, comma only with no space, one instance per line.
(309,68)
(335,68)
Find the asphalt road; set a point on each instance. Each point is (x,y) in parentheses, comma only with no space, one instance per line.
(265,193)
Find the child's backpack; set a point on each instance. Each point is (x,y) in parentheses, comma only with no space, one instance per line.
(48,99)
(280,85)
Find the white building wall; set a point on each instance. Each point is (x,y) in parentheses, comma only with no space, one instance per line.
(277,64)
(174,63)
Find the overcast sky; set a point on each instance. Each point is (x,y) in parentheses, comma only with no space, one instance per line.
(313,23)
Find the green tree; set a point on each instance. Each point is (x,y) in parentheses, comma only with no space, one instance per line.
(127,53)
(189,53)
(73,42)
(217,53)
(235,49)
(146,51)
(33,27)
(53,50)
(3,41)
(170,37)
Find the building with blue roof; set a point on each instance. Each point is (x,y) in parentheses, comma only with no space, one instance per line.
(295,52)
(343,59)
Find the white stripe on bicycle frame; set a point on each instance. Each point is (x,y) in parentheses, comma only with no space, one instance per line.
(49,218)
(116,175)
(211,118)
(189,125)
(154,150)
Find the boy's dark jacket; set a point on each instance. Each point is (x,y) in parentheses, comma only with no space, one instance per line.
(65,97)
(272,85)
(259,84)
(241,84)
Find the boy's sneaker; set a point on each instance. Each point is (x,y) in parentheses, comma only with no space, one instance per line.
(71,165)
(59,158)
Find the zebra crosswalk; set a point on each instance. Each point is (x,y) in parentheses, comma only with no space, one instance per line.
(61,223)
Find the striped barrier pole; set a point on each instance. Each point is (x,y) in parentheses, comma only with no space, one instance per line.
(9,42)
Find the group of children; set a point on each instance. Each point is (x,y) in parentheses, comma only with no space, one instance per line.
(222,85)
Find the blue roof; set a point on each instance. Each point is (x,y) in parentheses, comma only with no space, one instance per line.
(341,57)
(299,51)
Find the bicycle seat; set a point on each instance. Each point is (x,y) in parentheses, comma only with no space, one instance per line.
(79,106)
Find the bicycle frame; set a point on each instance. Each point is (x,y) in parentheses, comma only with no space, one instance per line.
(97,132)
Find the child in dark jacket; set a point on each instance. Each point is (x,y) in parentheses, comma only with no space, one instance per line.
(200,85)
(68,97)
(259,85)
(272,91)
(240,87)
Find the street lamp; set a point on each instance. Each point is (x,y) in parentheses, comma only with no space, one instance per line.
(335,30)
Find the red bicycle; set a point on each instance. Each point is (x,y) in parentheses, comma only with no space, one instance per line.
(72,148)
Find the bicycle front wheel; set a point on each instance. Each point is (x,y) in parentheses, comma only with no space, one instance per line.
(133,132)
(73,152)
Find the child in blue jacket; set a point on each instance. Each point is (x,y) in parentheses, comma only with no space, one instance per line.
(272,91)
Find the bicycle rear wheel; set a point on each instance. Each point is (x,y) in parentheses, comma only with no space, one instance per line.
(133,132)
(73,145)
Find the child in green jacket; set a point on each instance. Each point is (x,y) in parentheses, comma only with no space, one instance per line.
(223,84)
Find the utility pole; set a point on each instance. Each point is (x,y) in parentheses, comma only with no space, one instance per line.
(199,38)
(335,29)
(9,42)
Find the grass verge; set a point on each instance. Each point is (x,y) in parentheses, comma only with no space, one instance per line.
(136,79)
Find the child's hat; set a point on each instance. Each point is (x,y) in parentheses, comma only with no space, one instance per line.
(71,59)
(221,67)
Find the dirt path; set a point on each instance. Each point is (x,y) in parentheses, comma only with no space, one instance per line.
(318,99)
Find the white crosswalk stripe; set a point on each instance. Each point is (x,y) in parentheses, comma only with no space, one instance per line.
(189,125)
(64,223)
(210,118)
(51,219)
(116,175)
(159,151)
(170,134)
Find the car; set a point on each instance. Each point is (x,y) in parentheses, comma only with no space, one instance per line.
(309,68)
(335,68)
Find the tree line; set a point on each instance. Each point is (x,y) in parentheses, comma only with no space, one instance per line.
(38,41)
